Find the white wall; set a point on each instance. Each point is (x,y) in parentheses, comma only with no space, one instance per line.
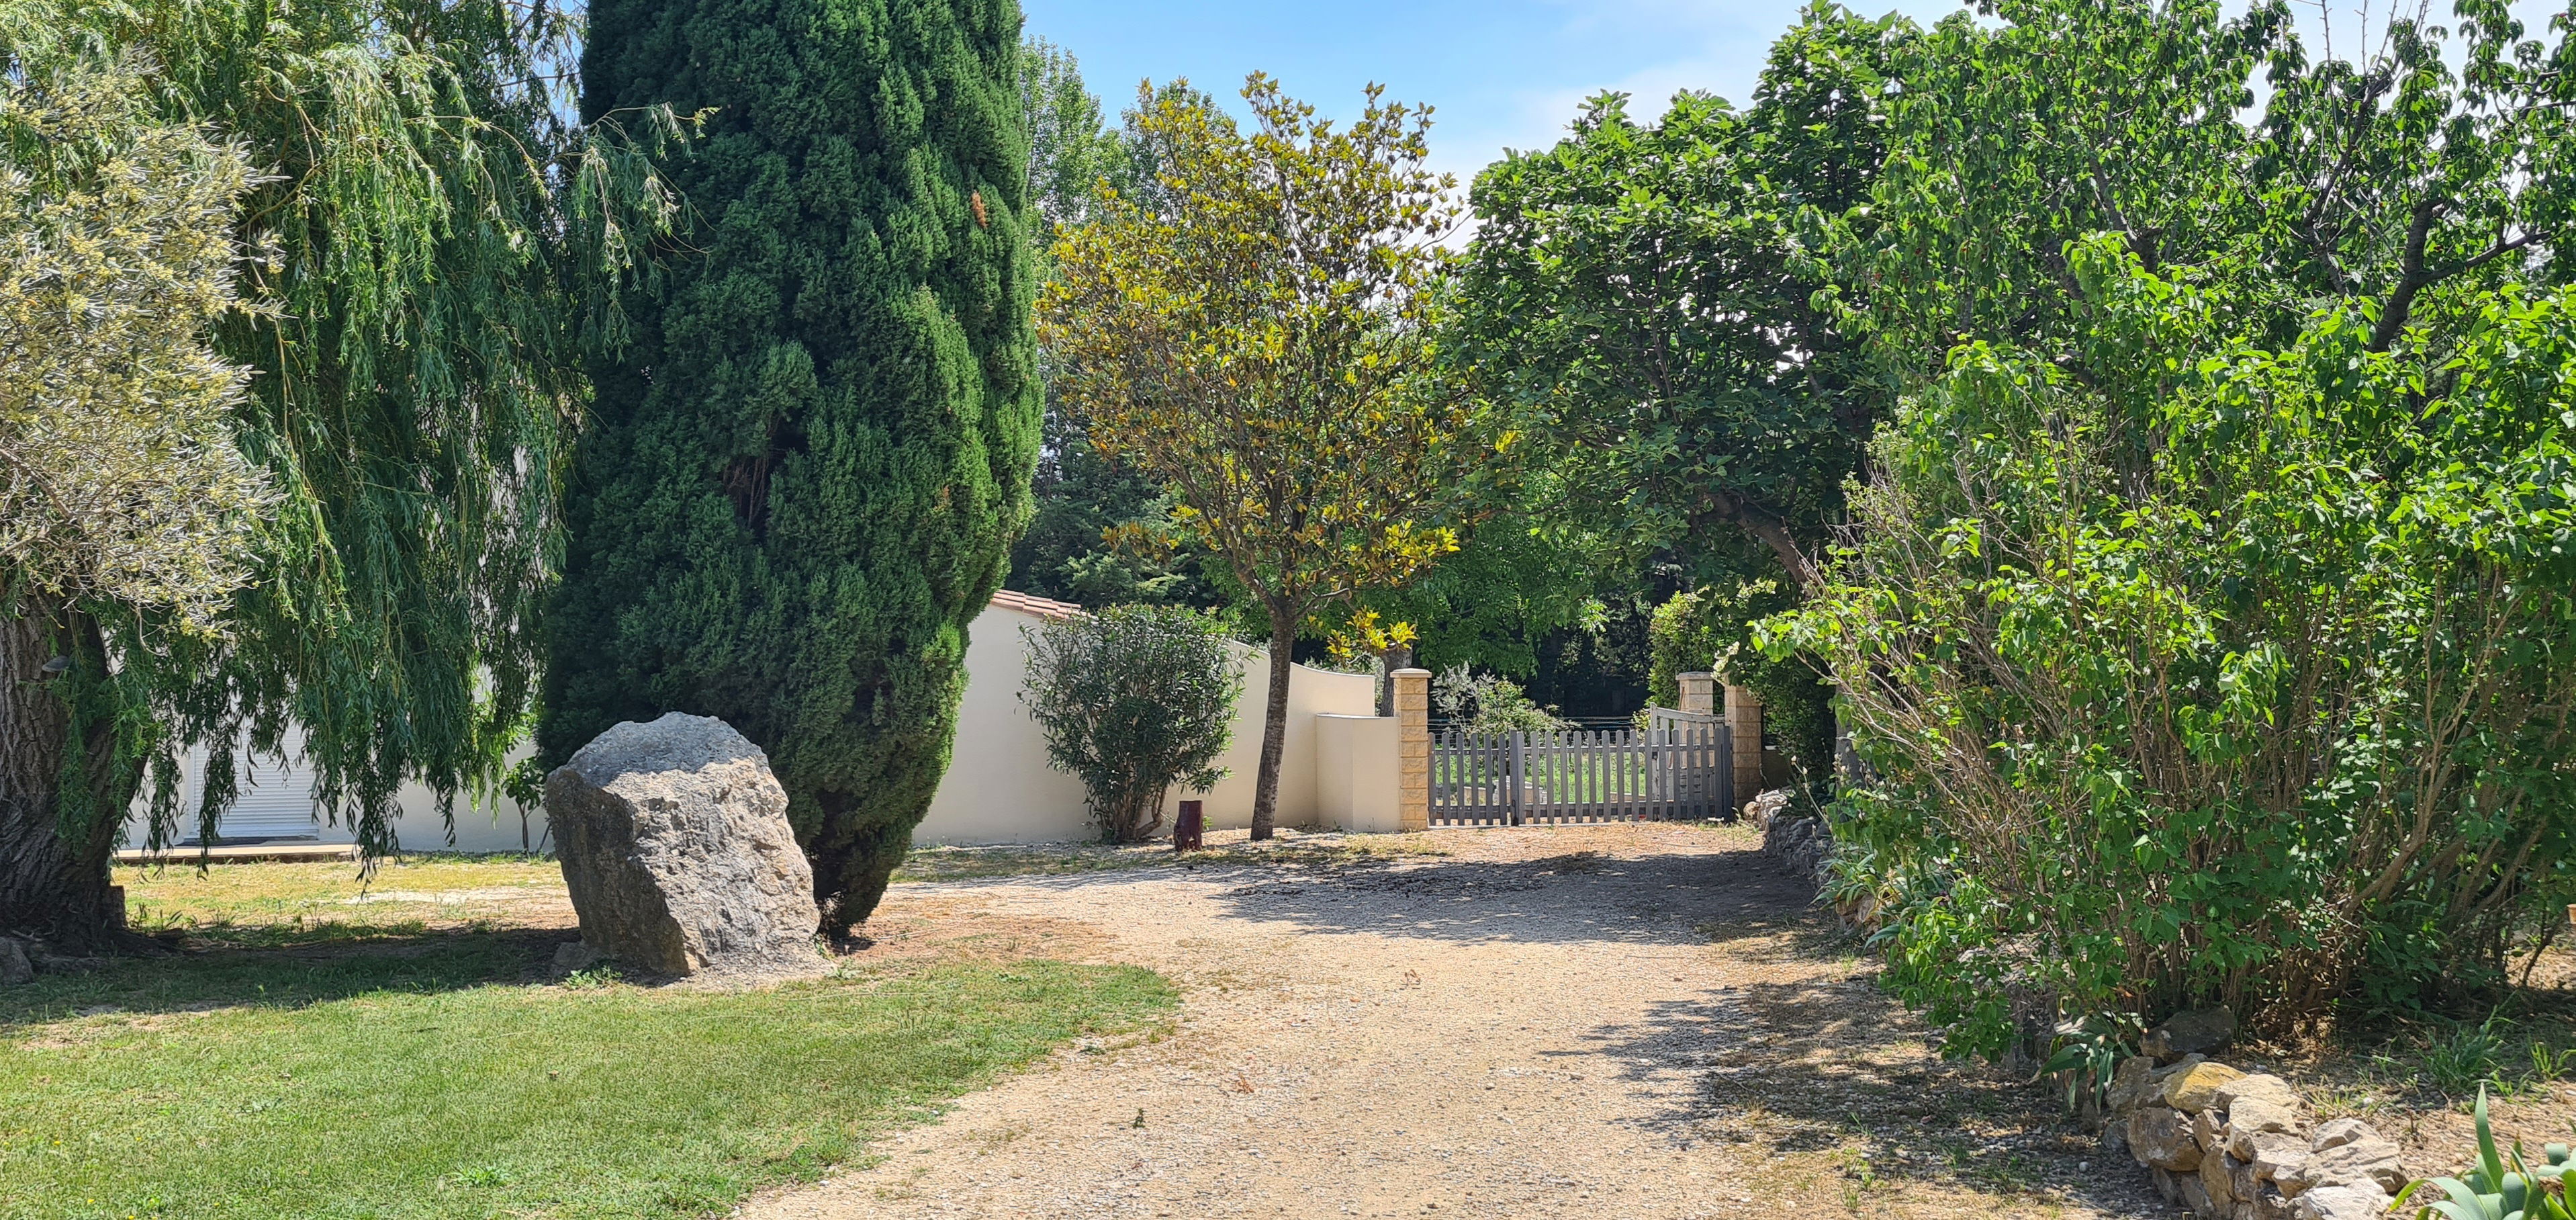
(999,788)
(1311,692)
(1355,773)
(273,789)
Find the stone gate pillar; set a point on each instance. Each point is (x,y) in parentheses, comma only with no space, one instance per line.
(1412,688)
(1699,693)
(1744,731)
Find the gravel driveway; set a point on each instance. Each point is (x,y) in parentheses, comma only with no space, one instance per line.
(1619,1021)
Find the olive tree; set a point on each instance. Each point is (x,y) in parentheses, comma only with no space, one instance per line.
(1133,700)
(123,495)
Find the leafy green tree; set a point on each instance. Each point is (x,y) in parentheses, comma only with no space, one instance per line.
(120,483)
(1488,704)
(804,476)
(1134,699)
(433,250)
(2393,179)
(1072,148)
(1649,295)
(1259,343)
(1081,495)
(2207,611)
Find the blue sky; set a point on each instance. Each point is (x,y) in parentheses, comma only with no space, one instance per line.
(1502,73)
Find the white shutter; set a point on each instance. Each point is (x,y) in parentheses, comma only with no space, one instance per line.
(276,801)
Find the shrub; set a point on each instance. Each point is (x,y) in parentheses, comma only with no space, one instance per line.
(2221,673)
(1133,700)
(1485,704)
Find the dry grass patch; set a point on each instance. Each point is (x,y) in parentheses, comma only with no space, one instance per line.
(279,904)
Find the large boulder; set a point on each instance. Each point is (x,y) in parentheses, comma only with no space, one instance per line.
(675,844)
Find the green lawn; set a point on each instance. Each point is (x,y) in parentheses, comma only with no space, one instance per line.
(428,1075)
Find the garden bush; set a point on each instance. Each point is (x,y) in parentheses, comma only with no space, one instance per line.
(1488,704)
(2221,672)
(1133,700)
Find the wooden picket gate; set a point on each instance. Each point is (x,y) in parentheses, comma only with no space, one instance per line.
(1679,767)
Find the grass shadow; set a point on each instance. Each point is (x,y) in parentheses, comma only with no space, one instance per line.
(281,977)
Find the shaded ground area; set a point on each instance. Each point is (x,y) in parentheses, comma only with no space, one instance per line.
(1641,1021)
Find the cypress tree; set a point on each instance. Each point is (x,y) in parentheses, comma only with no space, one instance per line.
(802,480)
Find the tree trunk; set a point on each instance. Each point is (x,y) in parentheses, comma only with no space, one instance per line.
(1397,657)
(53,887)
(1274,723)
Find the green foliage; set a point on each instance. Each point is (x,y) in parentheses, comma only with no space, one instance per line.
(2089,1053)
(120,484)
(2470,1057)
(1685,636)
(803,476)
(1647,294)
(2208,612)
(2278,715)
(1486,704)
(2497,1186)
(1520,583)
(1082,499)
(436,242)
(2393,177)
(1710,629)
(1071,150)
(1134,699)
(1082,496)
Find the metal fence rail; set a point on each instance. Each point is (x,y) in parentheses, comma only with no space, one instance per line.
(1678,767)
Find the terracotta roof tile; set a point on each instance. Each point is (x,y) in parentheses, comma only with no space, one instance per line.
(1039,606)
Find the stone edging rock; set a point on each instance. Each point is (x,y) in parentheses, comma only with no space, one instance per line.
(2234,1146)
(1800,844)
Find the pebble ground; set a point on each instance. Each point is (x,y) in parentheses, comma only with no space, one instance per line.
(1622,1021)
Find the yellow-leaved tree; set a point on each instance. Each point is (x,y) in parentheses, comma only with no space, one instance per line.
(1257,336)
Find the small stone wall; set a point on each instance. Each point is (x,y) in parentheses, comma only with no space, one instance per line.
(2236,1146)
(1800,844)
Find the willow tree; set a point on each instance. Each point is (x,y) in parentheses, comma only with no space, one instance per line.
(807,471)
(431,238)
(1259,342)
